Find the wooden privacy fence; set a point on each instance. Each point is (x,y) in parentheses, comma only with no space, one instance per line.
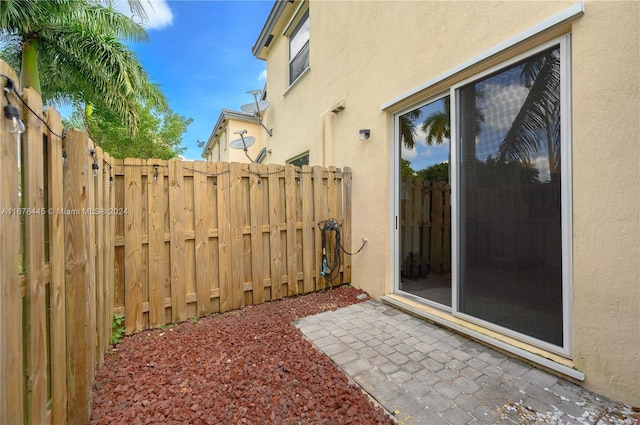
(195,238)
(83,236)
(425,227)
(56,270)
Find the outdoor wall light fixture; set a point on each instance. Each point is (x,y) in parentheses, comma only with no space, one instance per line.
(14,123)
(364,134)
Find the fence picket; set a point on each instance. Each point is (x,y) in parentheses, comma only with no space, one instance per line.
(155,193)
(133,245)
(33,199)
(99,218)
(257,253)
(204,259)
(307,229)
(224,234)
(275,242)
(56,270)
(291,206)
(177,227)
(237,275)
(87,212)
(11,343)
(346,223)
(110,246)
(319,214)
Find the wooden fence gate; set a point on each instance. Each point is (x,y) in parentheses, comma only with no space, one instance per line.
(195,238)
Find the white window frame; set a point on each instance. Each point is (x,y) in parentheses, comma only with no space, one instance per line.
(564,43)
(290,32)
(396,124)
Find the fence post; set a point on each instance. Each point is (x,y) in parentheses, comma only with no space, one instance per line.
(11,365)
(77,279)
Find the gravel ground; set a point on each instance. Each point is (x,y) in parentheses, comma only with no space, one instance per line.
(250,366)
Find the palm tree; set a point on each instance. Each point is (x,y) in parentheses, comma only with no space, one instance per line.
(408,128)
(72,50)
(537,125)
(437,126)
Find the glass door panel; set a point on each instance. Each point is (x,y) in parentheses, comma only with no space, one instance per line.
(425,199)
(510,203)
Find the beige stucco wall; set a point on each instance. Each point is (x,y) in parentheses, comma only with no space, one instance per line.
(366,53)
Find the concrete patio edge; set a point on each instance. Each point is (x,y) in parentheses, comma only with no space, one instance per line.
(564,370)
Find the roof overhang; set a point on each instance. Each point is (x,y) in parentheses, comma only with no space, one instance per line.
(266,35)
(224,117)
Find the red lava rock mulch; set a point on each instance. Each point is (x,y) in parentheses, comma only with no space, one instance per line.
(250,366)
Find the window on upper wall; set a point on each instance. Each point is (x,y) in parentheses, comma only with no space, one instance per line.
(300,160)
(299,48)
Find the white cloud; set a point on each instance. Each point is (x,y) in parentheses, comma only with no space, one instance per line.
(409,154)
(158,12)
(502,104)
(263,76)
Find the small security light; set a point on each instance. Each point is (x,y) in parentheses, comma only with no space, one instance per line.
(364,134)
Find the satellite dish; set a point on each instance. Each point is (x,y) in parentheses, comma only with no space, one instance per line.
(242,142)
(200,143)
(256,108)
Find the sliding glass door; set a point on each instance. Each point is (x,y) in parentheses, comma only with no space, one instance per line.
(505,179)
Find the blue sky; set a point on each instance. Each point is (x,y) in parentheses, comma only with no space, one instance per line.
(200,54)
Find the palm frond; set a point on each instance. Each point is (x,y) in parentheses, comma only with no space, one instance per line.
(537,124)
(99,69)
(408,128)
(437,127)
(100,19)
